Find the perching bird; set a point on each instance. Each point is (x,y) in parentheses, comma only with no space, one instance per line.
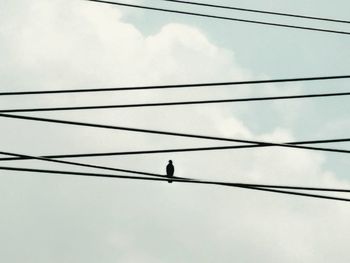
(170,170)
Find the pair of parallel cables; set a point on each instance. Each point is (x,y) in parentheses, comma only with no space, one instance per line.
(233,19)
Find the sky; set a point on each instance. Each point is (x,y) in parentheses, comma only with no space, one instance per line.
(71,44)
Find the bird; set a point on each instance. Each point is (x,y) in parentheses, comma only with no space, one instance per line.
(170,170)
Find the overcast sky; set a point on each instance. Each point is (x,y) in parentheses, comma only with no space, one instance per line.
(69,44)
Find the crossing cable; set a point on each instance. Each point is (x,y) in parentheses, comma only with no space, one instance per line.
(191,181)
(80,164)
(174,103)
(174,177)
(84,155)
(174,86)
(259,11)
(104,126)
(221,17)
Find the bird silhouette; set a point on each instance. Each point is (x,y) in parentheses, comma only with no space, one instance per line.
(170,170)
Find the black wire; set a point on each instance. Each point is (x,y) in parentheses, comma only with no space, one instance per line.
(176,103)
(174,177)
(169,150)
(222,17)
(183,181)
(259,11)
(175,86)
(103,126)
(80,164)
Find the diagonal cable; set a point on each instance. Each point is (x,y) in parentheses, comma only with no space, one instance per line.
(174,86)
(173,177)
(221,17)
(175,103)
(176,150)
(259,11)
(177,134)
(81,164)
(183,181)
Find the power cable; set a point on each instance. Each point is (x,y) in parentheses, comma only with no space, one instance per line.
(84,155)
(80,164)
(174,103)
(103,126)
(259,11)
(173,86)
(222,17)
(182,181)
(173,177)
